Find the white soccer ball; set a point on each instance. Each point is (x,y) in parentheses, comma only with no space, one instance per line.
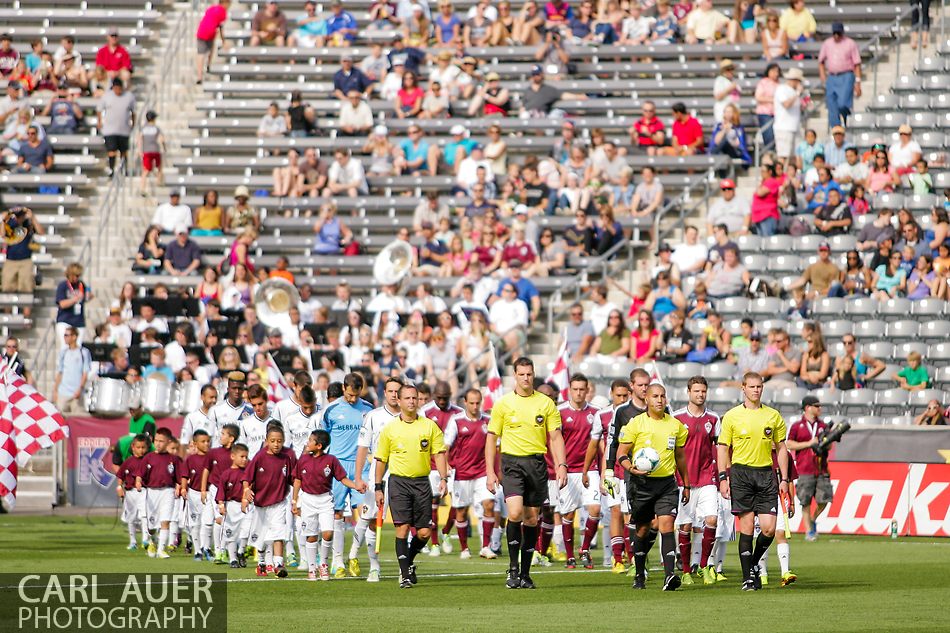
(646,459)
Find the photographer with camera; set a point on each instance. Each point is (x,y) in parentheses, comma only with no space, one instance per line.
(805,441)
(19,227)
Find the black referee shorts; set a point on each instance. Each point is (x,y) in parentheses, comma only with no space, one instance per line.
(753,490)
(651,496)
(526,477)
(410,501)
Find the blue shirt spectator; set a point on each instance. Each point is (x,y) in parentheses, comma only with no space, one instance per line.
(349,78)
(72,368)
(342,21)
(411,58)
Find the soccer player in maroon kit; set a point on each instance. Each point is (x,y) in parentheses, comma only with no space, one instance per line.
(613,494)
(133,500)
(267,480)
(220,462)
(440,411)
(230,499)
(465,437)
(197,466)
(580,427)
(159,480)
(702,511)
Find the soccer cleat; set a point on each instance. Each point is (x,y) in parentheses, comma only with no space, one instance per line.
(434,552)
(280,571)
(446,546)
(619,568)
(465,554)
(412,574)
(639,582)
(171,547)
(788,578)
(405,584)
(353,567)
(540,560)
(198,557)
(571,563)
(527,583)
(242,560)
(312,575)
(261,571)
(132,547)
(234,564)
(152,550)
(189,546)
(339,573)
(497,550)
(811,536)
(163,554)
(748,585)
(756,579)
(720,577)
(324,572)
(270,569)
(425,549)
(373,576)
(672,583)
(709,576)
(764,579)
(556,555)
(687,579)
(513,582)
(486,552)
(292,561)
(222,557)
(586,560)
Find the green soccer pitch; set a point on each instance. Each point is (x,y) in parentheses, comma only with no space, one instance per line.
(860,584)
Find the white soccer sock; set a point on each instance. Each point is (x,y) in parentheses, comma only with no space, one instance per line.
(132,532)
(162,539)
(146,535)
(325,546)
(696,549)
(205,537)
(719,553)
(496,537)
(174,531)
(605,539)
(558,540)
(289,546)
(269,554)
(311,553)
(359,535)
(764,564)
(302,544)
(278,561)
(783,555)
(371,549)
(232,551)
(338,538)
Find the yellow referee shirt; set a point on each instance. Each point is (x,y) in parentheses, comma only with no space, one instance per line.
(408,447)
(663,436)
(523,423)
(752,433)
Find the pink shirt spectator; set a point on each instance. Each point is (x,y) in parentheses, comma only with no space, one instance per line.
(642,345)
(839,57)
(214,17)
(765,96)
(764,207)
(557,11)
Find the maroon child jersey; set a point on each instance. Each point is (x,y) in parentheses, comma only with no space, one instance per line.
(316,473)
(700,448)
(130,469)
(466,439)
(195,465)
(219,462)
(441,418)
(270,477)
(805,462)
(161,470)
(230,485)
(579,427)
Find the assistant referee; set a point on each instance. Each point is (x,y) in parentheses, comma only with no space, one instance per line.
(528,423)
(752,430)
(406,445)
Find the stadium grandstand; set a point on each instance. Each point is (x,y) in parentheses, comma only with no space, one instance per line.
(202,187)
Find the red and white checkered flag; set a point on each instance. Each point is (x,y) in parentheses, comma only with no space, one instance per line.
(277,388)
(8,466)
(37,423)
(492,389)
(561,373)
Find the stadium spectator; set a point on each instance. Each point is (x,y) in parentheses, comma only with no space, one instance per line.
(313,174)
(349,78)
(890,280)
(713,342)
(648,133)
(207,220)
(447,26)
(346,176)
(209,29)
(11,348)
(677,341)
(17,274)
(578,334)
(728,137)
(729,209)
(409,57)
(784,362)
(788,113)
(923,281)
(815,366)
(476,31)
(807,152)
(635,30)
(913,377)
(834,216)
(529,25)
(416,156)
(728,277)
(285,178)
(920,22)
(341,26)
(491,98)
(241,215)
(798,22)
(687,134)
(751,357)
(912,236)
(116,118)
(705,24)
(538,99)
(64,113)
(872,234)
(35,156)
(883,177)
(20,131)
(648,195)
(821,278)
(71,297)
(114,59)
(933,415)
(665,297)
(666,26)
(904,154)
(171,214)
(664,263)
(614,340)
(720,242)
(332,235)
(9,56)
(852,171)
(691,255)
(151,253)
(764,212)
(435,103)
(765,102)
(839,69)
(72,371)
(182,256)
(10,107)
(855,278)
(509,319)
(269,26)
(408,101)
(645,340)
(473,170)
(774,39)
(835,151)
(726,89)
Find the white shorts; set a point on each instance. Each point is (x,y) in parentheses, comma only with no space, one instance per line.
(703,502)
(784,143)
(434,479)
(269,524)
(133,507)
(619,496)
(316,513)
(574,495)
(726,526)
(210,508)
(471,492)
(553,493)
(160,506)
(234,521)
(195,510)
(248,522)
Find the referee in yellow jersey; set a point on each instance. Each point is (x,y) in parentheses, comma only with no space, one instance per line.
(655,493)
(406,445)
(751,430)
(528,424)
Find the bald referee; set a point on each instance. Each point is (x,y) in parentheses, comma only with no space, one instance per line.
(528,423)
(751,430)
(406,445)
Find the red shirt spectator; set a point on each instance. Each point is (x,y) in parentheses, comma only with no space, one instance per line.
(113,56)
(645,129)
(688,131)
(522,251)
(214,17)
(8,56)
(765,200)
(806,461)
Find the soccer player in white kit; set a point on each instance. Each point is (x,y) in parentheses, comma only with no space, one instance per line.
(701,513)
(254,425)
(373,423)
(465,436)
(200,418)
(231,409)
(285,407)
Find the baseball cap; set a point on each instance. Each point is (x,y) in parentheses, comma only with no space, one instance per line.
(427,225)
(810,401)
(537,70)
(521,209)
(237,376)
(380,130)
(346,57)
(727,183)
(444,55)
(492,76)
(468,59)
(515,263)
(457,129)
(397,37)
(726,63)
(274,332)
(14,84)
(755,335)
(664,247)
(824,246)
(115,307)
(114,30)
(838,129)
(174,193)
(181,228)
(905,129)
(837,27)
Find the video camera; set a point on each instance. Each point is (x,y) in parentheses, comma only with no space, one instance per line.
(829,436)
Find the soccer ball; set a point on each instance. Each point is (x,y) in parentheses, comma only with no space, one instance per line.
(646,459)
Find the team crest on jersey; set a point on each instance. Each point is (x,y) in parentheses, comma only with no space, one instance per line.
(590,418)
(539,420)
(484,428)
(171,469)
(283,471)
(768,431)
(708,427)
(326,471)
(423,443)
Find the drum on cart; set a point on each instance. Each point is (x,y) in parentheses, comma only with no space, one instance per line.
(110,398)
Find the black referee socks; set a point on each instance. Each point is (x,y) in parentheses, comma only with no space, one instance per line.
(529,538)
(415,547)
(745,555)
(402,556)
(639,553)
(668,550)
(761,544)
(513,535)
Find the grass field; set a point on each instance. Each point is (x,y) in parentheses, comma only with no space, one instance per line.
(858,584)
